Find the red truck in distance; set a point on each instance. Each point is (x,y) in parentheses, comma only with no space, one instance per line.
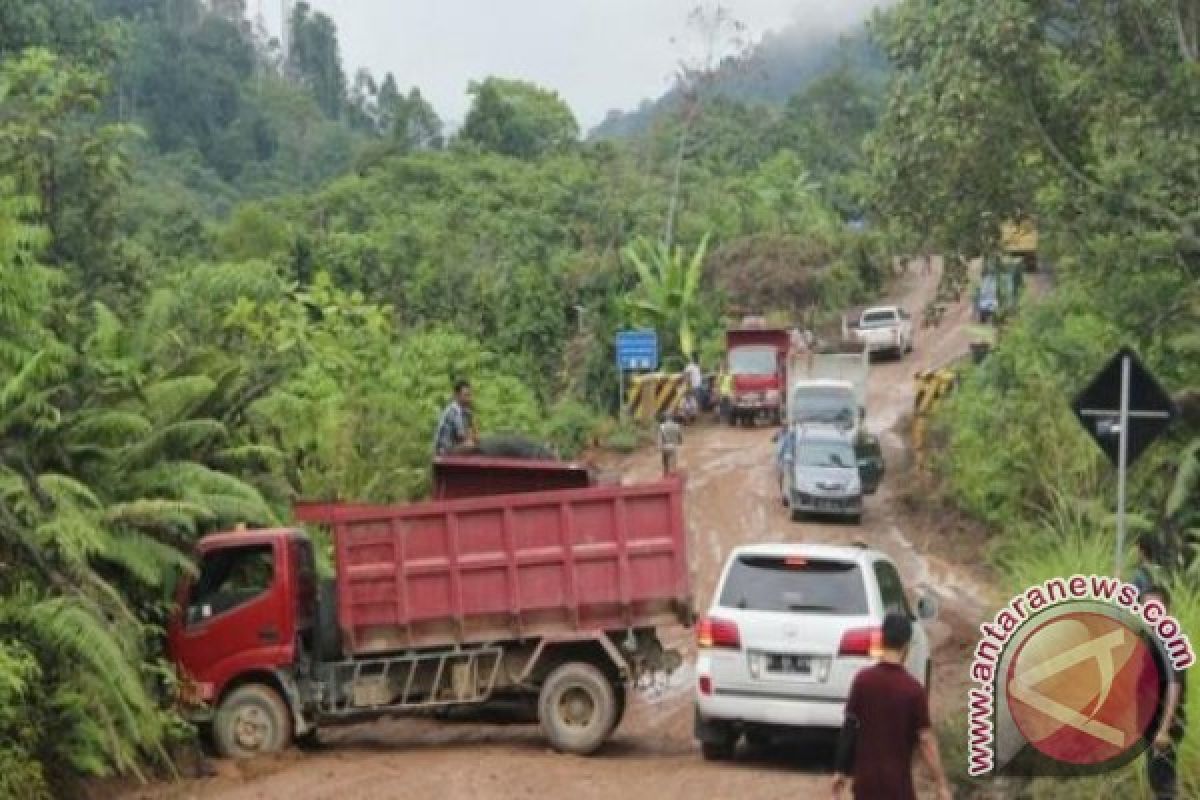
(520,582)
(758,360)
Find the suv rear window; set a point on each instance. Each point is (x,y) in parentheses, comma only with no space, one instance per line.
(809,585)
(877,319)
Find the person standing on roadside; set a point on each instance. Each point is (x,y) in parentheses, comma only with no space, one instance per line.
(887,718)
(1163,752)
(1142,579)
(695,382)
(725,394)
(670,439)
(456,427)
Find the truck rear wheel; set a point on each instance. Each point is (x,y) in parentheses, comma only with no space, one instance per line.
(252,720)
(577,708)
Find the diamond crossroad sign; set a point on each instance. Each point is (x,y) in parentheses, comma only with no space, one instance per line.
(1149,408)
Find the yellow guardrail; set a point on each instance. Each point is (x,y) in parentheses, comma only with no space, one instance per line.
(932,388)
(652,393)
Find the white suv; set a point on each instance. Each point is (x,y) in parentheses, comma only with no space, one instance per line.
(789,627)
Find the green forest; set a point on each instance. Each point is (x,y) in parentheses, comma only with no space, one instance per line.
(231,277)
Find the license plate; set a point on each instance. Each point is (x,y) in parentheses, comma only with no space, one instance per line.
(789,665)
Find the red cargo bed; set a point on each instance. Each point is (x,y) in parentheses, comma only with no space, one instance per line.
(551,563)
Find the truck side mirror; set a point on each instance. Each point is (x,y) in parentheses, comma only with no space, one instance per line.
(927,606)
(198,614)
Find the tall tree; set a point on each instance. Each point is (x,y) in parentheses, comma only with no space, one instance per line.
(518,119)
(314,58)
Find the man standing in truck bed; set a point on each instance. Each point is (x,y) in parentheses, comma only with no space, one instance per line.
(456,428)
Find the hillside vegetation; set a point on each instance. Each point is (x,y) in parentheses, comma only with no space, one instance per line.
(229,279)
(1081,115)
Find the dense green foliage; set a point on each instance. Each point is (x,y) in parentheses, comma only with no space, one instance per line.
(230,277)
(514,118)
(1081,115)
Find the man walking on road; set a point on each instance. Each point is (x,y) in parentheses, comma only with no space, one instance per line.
(456,427)
(670,439)
(887,718)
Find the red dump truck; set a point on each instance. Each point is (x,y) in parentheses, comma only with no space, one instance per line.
(758,364)
(520,582)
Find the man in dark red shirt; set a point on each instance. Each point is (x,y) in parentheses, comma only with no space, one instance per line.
(887,718)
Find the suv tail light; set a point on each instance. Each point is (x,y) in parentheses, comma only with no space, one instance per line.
(866,642)
(713,632)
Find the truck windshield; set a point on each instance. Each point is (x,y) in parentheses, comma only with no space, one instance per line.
(825,454)
(824,405)
(775,583)
(233,576)
(877,319)
(752,361)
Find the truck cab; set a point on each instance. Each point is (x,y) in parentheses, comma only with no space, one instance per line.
(758,366)
(827,402)
(253,602)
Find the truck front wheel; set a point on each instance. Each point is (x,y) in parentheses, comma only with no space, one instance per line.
(577,707)
(250,721)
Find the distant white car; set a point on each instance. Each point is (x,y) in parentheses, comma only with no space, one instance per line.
(884,329)
(789,628)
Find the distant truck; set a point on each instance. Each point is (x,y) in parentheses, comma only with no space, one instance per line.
(758,365)
(526,583)
(882,329)
(830,389)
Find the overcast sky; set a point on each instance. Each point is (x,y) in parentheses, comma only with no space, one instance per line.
(598,54)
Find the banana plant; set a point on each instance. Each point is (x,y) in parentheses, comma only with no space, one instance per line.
(667,294)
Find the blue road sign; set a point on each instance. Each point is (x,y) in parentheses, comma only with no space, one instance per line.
(637,350)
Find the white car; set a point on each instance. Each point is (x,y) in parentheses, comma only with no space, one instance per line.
(789,627)
(882,329)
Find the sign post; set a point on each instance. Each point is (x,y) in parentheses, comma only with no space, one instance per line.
(636,350)
(1122,463)
(1124,409)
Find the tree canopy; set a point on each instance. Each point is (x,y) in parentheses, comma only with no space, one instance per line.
(516,118)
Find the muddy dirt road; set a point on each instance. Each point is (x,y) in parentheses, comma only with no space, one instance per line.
(732,499)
